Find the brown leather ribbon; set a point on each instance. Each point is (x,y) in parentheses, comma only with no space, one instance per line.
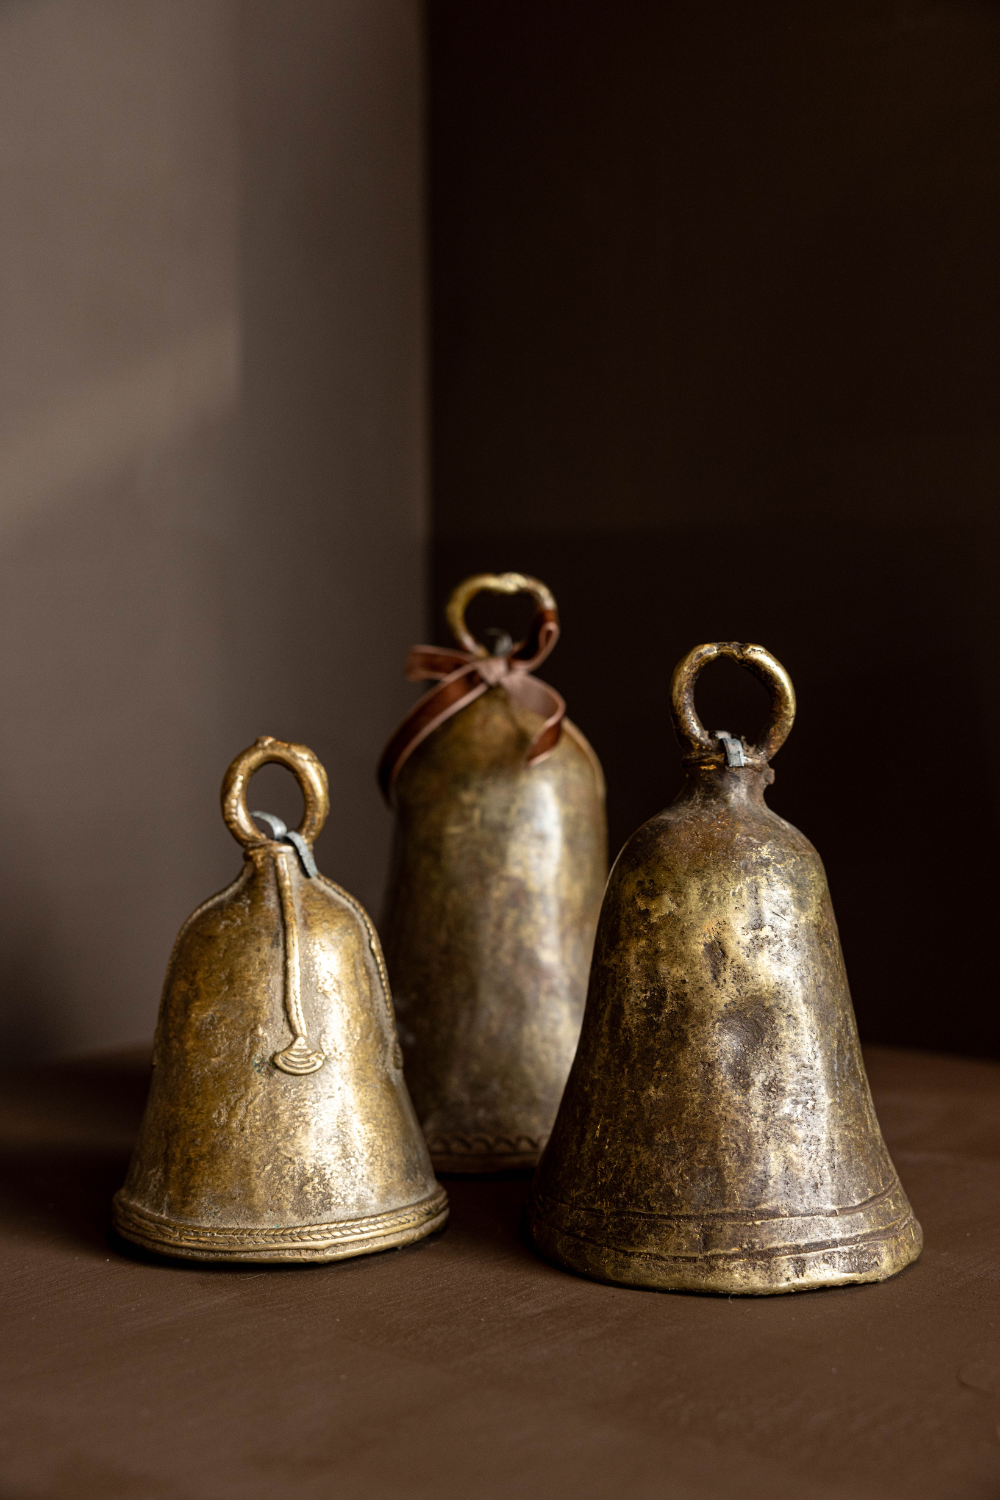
(462,678)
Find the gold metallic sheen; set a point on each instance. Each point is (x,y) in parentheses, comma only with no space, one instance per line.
(278,1126)
(494,583)
(717,1132)
(496,881)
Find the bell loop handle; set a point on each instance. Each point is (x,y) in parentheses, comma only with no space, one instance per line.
(547,613)
(308,772)
(720,747)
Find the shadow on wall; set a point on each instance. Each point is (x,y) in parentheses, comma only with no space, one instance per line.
(211,457)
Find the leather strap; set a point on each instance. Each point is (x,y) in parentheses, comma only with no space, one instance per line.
(462,678)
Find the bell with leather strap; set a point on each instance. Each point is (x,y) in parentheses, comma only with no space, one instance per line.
(717,1132)
(498,865)
(278,1125)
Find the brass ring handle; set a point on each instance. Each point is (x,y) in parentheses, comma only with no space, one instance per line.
(690,730)
(494,583)
(307,769)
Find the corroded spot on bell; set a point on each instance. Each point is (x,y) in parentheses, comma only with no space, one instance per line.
(717,1132)
(498,866)
(278,1126)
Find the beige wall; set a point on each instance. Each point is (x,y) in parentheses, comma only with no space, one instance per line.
(211,460)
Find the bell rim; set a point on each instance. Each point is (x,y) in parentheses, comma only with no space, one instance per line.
(339,1239)
(473,1164)
(474,1152)
(888,1251)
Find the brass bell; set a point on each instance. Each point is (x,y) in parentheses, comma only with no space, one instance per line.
(278,1125)
(717,1132)
(499,861)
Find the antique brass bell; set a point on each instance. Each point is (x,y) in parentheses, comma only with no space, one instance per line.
(278,1126)
(499,861)
(717,1132)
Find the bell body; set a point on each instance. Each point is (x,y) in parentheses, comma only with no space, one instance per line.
(495,889)
(717,1132)
(239,1159)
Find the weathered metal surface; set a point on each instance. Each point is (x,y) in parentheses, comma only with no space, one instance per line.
(717,1131)
(278,1126)
(498,868)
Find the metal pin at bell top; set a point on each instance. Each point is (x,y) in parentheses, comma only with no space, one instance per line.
(499,861)
(278,1125)
(717,1133)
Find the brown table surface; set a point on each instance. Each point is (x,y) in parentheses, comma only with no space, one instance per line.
(466,1367)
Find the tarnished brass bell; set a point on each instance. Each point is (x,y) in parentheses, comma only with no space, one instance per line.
(499,861)
(278,1126)
(717,1132)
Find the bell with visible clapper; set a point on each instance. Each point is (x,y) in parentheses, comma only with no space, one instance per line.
(278,1126)
(717,1132)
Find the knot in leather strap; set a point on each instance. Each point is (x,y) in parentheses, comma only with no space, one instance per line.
(464,676)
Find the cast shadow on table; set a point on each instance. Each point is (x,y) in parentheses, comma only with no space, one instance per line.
(60,1195)
(66,1137)
(65,1141)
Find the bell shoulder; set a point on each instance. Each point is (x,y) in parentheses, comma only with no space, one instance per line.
(581,748)
(207,914)
(681,838)
(204,921)
(358,920)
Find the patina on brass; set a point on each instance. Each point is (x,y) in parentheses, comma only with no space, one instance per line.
(717,1132)
(498,866)
(278,1126)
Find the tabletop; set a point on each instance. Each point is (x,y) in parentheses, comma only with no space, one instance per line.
(464,1366)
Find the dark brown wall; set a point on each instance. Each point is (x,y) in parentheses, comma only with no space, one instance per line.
(715,326)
